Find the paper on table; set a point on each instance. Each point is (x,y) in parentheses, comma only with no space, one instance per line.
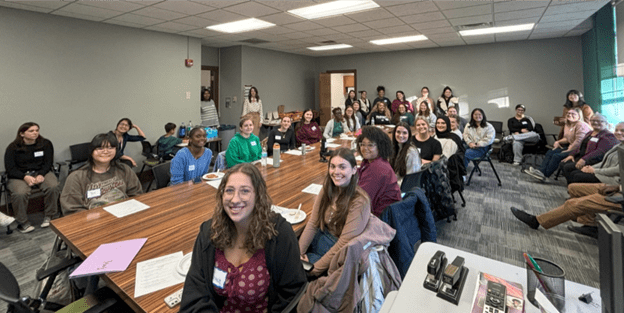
(314,189)
(110,257)
(332,145)
(214,183)
(293,152)
(126,208)
(156,274)
(544,303)
(269,161)
(330,140)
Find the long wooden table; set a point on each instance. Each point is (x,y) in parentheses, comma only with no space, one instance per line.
(172,222)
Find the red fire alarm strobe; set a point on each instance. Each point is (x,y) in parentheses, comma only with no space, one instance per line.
(188,62)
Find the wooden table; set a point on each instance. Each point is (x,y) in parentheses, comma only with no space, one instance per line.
(173,220)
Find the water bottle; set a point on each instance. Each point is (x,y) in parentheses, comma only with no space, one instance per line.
(373,121)
(182,131)
(303,149)
(190,126)
(264,157)
(276,155)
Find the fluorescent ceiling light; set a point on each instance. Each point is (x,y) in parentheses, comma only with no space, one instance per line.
(333,8)
(241,26)
(390,41)
(496,30)
(330,47)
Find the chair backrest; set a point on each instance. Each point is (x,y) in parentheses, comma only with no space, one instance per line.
(162,174)
(147,148)
(220,162)
(79,153)
(410,181)
(498,127)
(9,289)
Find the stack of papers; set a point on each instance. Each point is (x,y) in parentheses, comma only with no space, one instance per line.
(156,274)
(126,208)
(314,189)
(109,257)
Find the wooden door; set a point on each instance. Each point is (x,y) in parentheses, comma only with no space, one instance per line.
(325,97)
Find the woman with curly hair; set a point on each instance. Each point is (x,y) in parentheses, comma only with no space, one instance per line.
(246,257)
(341,212)
(376,175)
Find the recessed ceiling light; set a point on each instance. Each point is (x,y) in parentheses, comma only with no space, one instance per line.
(496,30)
(330,47)
(390,41)
(241,26)
(333,8)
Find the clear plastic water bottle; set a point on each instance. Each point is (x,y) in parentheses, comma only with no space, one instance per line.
(264,157)
(182,131)
(303,149)
(373,121)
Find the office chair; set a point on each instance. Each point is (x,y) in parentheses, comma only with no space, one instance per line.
(152,158)
(79,154)
(475,162)
(162,175)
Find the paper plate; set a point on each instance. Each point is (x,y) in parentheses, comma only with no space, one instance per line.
(293,216)
(184,264)
(213,176)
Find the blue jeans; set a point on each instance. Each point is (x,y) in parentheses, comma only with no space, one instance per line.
(322,242)
(473,154)
(551,161)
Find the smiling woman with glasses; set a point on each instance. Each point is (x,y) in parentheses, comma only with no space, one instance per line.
(377,177)
(102,180)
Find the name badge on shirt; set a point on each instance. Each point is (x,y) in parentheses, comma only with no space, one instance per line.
(524,122)
(418,150)
(218,278)
(191,167)
(313,128)
(253,143)
(594,139)
(278,137)
(94,193)
(38,154)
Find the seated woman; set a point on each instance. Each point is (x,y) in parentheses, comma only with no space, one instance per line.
(340,213)
(425,113)
(586,200)
(574,132)
(478,135)
(377,177)
(574,99)
(28,162)
(121,131)
(455,122)
(451,143)
(167,143)
(284,135)
(353,123)
(102,180)
(405,158)
(359,113)
(403,116)
(380,115)
(591,151)
(308,131)
(246,258)
(192,162)
(336,125)
(245,146)
(521,129)
(429,148)
(400,99)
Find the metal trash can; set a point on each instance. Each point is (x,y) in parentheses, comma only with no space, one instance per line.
(226,133)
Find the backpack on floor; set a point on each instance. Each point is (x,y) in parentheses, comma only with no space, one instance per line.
(505,154)
(437,187)
(532,160)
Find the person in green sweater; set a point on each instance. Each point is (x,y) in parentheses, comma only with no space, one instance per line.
(245,146)
(167,143)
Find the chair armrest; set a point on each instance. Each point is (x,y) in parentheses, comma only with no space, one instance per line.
(41,274)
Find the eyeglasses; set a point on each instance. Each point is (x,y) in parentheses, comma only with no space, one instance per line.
(367,146)
(243,194)
(596,121)
(109,148)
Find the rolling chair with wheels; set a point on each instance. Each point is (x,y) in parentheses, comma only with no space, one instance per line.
(475,162)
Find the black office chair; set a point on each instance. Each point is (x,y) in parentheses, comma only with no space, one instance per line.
(475,162)
(152,158)
(162,175)
(3,190)
(79,155)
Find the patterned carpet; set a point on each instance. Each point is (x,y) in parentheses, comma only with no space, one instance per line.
(485,227)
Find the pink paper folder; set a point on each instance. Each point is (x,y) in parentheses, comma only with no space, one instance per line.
(109,257)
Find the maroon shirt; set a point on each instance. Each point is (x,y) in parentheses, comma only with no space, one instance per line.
(309,133)
(380,182)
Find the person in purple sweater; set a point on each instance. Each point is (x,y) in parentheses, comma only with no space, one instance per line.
(377,177)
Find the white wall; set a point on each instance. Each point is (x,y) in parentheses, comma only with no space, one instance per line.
(77,78)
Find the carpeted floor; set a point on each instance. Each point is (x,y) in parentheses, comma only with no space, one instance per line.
(485,227)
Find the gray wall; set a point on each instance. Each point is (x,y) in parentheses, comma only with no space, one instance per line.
(209,56)
(536,73)
(619,20)
(77,78)
(230,86)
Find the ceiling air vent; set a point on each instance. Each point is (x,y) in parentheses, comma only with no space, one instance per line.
(473,26)
(254,41)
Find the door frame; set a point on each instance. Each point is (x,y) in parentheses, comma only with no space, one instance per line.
(353,71)
(215,88)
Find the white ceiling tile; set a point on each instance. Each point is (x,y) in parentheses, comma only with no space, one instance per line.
(587,24)
(518,5)
(303,26)
(89,11)
(471,20)
(188,7)
(439,30)
(397,29)
(428,25)
(370,15)
(352,41)
(574,7)
(172,26)
(413,8)
(122,23)
(277,30)
(288,5)
(121,6)
(513,36)
(398,46)
(576,32)
(385,3)
(39,4)
(337,36)
(451,44)
(425,17)
(159,13)
(79,16)
(18,5)
(468,11)
(516,15)
(196,21)
(446,5)
(222,16)
(322,32)
(547,35)
(366,33)
(350,28)
(251,9)
(567,24)
(444,36)
(203,33)
(479,39)
(296,35)
(517,22)
(384,23)
(138,19)
(335,21)
(566,17)
(282,18)
(219,3)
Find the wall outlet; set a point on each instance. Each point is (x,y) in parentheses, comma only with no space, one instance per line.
(188,95)
(234,99)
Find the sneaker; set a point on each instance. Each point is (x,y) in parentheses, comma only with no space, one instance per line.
(537,174)
(46,222)
(508,138)
(516,164)
(6,220)
(25,228)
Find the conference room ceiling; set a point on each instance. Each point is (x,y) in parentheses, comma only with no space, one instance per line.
(435,19)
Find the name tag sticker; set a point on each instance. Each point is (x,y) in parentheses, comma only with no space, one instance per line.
(38,154)
(94,193)
(524,122)
(218,278)
(191,167)
(595,139)
(278,137)
(313,128)
(253,143)
(418,150)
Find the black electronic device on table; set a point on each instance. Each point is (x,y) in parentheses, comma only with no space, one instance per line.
(435,267)
(453,280)
(495,298)
(323,151)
